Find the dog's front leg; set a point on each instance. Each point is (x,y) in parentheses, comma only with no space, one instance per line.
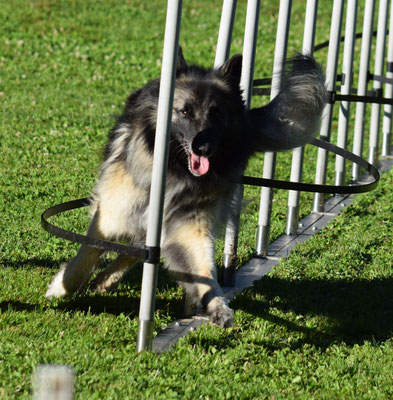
(73,275)
(109,279)
(189,253)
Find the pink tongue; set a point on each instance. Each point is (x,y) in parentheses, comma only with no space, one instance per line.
(199,164)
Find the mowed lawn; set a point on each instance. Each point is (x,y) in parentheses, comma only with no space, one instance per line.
(318,326)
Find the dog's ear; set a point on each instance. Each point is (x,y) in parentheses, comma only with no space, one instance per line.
(181,62)
(231,70)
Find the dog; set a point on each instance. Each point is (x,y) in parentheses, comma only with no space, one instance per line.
(212,138)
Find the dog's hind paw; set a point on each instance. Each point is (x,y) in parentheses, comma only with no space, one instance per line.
(103,284)
(219,313)
(56,287)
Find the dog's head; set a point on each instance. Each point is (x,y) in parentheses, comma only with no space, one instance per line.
(207,105)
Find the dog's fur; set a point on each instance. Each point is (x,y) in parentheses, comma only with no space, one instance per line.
(212,138)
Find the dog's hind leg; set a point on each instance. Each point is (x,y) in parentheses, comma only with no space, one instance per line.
(76,273)
(189,254)
(108,279)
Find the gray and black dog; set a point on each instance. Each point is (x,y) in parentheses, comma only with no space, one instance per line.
(212,138)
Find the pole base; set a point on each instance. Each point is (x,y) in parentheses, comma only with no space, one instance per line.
(229,270)
(319,202)
(145,335)
(339,179)
(386,144)
(292,220)
(263,233)
(373,155)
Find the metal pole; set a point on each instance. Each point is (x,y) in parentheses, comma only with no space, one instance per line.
(377,84)
(269,164)
(362,83)
(246,81)
(331,74)
(157,191)
(388,109)
(346,85)
(222,54)
(225,32)
(298,153)
(249,49)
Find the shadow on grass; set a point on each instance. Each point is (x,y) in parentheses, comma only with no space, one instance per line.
(314,311)
(123,301)
(343,311)
(33,262)
(14,305)
(126,299)
(95,304)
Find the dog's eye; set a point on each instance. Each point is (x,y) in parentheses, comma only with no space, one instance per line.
(186,113)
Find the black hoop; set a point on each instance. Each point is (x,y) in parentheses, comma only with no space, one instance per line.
(316,188)
(83,239)
(152,254)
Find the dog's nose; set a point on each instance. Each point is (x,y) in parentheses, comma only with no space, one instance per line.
(204,149)
(203,143)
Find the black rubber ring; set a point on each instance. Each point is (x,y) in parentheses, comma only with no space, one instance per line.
(151,254)
(317,188)
(105,245)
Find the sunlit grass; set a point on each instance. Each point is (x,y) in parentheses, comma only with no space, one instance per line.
(318,326)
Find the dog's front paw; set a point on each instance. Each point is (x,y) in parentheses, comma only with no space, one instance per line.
(56,287)
(219,313)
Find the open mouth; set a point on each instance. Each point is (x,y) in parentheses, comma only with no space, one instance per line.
(198,165)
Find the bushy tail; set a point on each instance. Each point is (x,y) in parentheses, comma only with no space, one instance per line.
(292,118)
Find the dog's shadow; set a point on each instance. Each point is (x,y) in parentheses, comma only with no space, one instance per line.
(323,311)
(125,300)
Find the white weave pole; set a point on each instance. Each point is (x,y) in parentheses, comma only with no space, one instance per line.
(246,81)
(160,162)
(249,49)
(225,32)
(377,84)
(269,165)
(298,153)
(222,54)
(346,85)
(388,109)
(331,76)
(367,34)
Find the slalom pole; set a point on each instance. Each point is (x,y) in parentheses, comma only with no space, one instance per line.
(365,51)
(326,123)
(160,162)
(346,86)
(298,153)
(246,82)
(225,32)
(269,165)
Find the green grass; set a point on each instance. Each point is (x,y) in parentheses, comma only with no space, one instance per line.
(318,326)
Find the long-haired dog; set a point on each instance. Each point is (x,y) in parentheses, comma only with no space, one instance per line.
(212,138)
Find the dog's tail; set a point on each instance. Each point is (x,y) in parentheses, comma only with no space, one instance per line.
(293,117)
